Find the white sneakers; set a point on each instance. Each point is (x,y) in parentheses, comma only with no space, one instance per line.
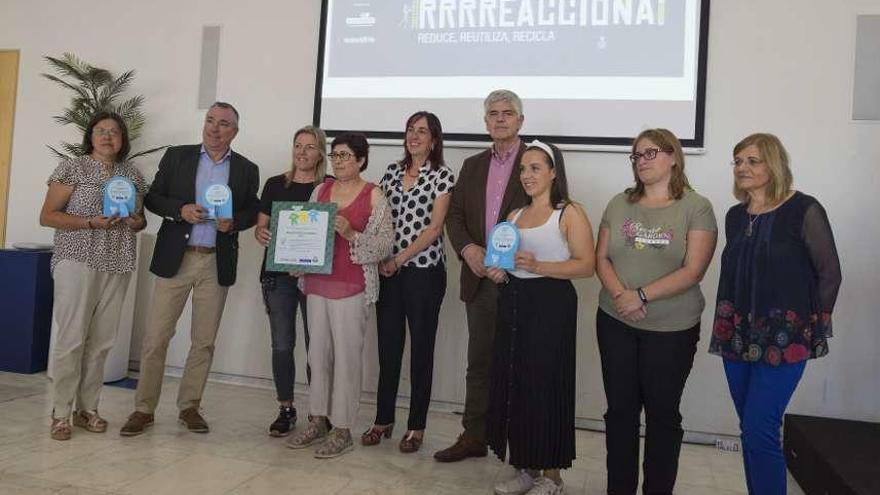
(518,485)
(524,484)
(545,486)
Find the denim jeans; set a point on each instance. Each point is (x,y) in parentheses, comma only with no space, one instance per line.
(282,297)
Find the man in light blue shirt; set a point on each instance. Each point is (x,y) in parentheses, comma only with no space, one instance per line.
(209,172)
(193,254)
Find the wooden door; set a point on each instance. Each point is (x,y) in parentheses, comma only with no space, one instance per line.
(8,85)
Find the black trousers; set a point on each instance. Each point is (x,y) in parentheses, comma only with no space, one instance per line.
(643,369)
(413,296)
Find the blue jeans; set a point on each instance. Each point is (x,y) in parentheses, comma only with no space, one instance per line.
(760,394)
(281,297)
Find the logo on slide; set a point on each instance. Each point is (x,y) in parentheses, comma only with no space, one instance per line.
(364,19)
(409,18)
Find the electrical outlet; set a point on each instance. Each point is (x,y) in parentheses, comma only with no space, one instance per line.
(728,445)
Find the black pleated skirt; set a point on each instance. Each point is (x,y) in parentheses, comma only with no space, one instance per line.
(532,384)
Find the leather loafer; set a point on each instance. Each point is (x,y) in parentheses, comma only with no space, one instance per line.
(462,449)
(193,421)
(136,424)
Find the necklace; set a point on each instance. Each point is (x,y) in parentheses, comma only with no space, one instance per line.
(749,227)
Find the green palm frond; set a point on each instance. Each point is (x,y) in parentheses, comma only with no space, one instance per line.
(57,154)
(70,66)
(94,90)
(76,89)
(146,152)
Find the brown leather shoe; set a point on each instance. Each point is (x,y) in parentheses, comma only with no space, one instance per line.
(462,449)
(193,421)
(136,424)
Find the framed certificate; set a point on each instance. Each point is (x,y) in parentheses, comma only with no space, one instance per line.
(302,237)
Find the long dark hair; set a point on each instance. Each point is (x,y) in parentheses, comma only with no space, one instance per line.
(559,188)
(436,154)
(87,145)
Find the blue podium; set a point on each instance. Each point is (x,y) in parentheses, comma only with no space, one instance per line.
(25,310)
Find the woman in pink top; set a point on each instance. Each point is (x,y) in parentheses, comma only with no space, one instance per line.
(338,303)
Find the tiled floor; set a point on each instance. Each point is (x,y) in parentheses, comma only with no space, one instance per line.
(237,457)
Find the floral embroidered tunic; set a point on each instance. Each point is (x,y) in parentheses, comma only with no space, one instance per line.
(779,279)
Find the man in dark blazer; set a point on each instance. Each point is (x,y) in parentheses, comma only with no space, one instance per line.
(487,190)
(193,254)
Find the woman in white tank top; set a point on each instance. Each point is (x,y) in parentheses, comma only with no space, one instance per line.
(532,385)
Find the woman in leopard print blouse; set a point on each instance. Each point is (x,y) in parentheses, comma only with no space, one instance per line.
(92,262)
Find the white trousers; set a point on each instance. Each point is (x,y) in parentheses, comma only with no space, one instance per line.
(86,310)
(336,329)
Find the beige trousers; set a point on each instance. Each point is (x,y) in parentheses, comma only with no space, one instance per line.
(336,331)
(86,309)
(197,273)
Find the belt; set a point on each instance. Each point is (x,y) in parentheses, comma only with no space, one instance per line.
(201,249)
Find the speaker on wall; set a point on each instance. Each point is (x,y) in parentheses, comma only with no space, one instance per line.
(208,66)
(866,83)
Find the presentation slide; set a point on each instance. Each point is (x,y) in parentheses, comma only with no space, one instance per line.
(588,71)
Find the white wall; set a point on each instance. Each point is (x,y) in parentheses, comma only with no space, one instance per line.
(781,66)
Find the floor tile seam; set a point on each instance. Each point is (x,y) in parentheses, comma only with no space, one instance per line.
(265,468)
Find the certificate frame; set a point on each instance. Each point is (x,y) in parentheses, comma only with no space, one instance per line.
(278,207)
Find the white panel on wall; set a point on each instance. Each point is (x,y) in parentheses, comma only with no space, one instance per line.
(209,65)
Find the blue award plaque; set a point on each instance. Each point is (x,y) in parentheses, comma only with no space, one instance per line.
(502,246)
(119,197)
(217,199)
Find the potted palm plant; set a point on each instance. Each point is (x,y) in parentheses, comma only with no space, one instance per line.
(94,90)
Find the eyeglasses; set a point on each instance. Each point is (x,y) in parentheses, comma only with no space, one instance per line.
(648,154)
(307,147)
(97,131)
(341,156)
(750,161)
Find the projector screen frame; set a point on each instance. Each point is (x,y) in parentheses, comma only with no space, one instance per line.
(572,142)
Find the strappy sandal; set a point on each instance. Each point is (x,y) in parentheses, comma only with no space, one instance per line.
(90,421)
(410,442)
(374,435)
(60,429)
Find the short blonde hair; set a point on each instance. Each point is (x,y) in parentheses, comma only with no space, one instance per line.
(321,138)
(774,155)
(666,140)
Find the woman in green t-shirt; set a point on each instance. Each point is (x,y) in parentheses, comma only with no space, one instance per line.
(656,240)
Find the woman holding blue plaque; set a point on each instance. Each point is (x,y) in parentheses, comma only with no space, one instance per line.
(339,302)
(92,262)
(656,240)
(281,295)
(532,387)
(413,280)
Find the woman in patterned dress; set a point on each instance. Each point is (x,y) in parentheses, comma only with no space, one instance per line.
(778,284)
(413,280)
(92,262)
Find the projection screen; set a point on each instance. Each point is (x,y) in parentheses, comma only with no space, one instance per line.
(588,71)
